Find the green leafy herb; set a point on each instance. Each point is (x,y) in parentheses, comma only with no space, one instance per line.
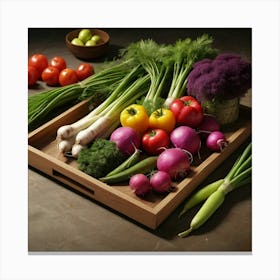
(100,158)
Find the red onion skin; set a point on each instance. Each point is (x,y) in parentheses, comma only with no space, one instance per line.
(216,141)
(140,184)
(161,182)
(175,162)
(186,138)
(208,125)
(127,139)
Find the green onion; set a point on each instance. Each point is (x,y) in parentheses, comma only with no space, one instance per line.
(239,175)
(47,104)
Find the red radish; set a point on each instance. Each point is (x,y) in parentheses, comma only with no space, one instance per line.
(208,125)
(186,138)
(160,182)
(140,184)
(127,139)
(175,162)
(216,141)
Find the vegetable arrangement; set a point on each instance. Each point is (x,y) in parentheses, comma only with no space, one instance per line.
(150,64)
(167,155)
(135,116)
(149,121)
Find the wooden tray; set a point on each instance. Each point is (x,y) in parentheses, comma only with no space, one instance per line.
(43,155)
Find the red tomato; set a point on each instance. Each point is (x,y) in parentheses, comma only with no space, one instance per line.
(58,62)
(155,141)
(33,75)
(68,76)
(50,75)
(187,111)
(84,71)
(39,61)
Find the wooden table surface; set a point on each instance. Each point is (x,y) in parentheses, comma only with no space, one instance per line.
(60,220)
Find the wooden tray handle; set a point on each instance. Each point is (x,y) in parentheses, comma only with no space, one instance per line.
(72,183)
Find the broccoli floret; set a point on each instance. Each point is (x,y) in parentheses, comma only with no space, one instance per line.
(100,158)
(225,77)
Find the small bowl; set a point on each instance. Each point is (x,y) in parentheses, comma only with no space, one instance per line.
(88,52)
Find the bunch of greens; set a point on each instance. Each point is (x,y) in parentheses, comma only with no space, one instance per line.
(168,66)
(152,57)
(100,158)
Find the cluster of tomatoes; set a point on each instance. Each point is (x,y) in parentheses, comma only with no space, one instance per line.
(55,72)
(156,128)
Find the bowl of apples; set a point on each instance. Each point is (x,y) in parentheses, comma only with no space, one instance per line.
(88,43)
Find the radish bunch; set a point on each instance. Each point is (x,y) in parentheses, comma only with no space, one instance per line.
(160,182)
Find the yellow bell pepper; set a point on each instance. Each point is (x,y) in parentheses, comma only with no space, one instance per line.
(136,117)
(162,118)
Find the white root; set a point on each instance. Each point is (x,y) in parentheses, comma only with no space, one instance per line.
(105,134)
(87,135)
(69,130)
(168,102)
(76,149)
(65,146)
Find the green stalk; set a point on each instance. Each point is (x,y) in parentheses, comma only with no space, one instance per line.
(135,91)
(246,164)
(67,97)
(117,92)
(237,181)
(246,153)
(118,68)
(181,81)
(201,195)
(161,83)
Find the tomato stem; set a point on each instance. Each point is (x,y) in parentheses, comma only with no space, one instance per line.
(153,133)
(187,103)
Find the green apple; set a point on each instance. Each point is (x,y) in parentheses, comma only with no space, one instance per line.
(85,35)
(96,38)
(77,42)
(90,43)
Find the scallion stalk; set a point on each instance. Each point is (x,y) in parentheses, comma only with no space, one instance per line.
(239,175)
